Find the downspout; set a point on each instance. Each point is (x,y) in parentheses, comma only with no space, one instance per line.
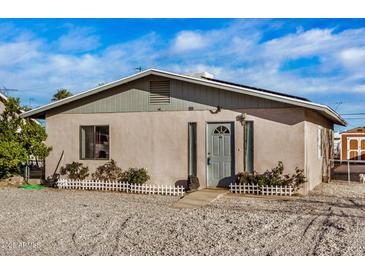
(242,119)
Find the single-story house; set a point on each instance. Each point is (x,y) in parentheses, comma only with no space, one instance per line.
(353,144)
(179,125)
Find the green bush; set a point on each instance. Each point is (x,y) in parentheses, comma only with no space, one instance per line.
(75,171)
(136,176)
(19,139)
(275,177)
(108,171)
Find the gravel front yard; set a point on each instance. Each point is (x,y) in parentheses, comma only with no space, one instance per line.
(54,222)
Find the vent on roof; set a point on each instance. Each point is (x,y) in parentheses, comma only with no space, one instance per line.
(160,92)
(203,74)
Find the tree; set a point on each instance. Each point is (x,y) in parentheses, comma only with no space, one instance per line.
(61,94)
(19,139)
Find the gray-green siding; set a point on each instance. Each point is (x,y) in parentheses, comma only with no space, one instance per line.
(134,97)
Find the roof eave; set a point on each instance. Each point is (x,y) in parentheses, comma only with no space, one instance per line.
(335,117)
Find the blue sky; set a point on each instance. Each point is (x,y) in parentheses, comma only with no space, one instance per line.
(320,59)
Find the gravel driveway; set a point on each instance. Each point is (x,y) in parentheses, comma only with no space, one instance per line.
(65,222)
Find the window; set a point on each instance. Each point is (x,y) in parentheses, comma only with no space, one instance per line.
(94,142)
(160,92)
(248,146)
(192,149)
(221,130)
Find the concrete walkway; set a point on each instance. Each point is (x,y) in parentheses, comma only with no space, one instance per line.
(200,198)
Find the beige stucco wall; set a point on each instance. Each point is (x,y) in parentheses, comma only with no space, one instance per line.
(278,136)
(313,167)
(313,163)
(158,140)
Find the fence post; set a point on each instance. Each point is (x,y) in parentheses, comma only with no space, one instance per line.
(348,171)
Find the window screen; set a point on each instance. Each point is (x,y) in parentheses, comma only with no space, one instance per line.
(248,142)
(87,142)
(192,149)
(94,142)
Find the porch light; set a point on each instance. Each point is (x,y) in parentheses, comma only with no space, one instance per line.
(241,118)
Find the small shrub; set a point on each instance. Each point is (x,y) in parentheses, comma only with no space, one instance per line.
(108,171)
(75,171)
(298,178)
(275,177)
(136,176)
(245,178)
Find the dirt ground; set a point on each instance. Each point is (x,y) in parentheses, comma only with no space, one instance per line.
(330,221)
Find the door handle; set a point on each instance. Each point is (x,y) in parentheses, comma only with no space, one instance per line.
(208,161)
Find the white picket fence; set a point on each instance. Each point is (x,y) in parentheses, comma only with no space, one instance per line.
(261,190)
(120,186)
(362,178)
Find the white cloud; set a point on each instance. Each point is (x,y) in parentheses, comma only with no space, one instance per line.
(236,53)
(242,57)
(13,53)
(353,56)
(359,88)
(300,44)
(37,71)
(78,39)
(188,40)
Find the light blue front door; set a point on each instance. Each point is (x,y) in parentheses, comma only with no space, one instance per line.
(219,154)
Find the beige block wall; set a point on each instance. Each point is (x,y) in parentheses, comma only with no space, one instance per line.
(158,140)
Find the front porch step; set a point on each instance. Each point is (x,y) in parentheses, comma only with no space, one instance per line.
(200,198)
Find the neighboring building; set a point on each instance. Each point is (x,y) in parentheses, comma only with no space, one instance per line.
(337,145)
(3,99)
(176,125)
(353,144)
(37,169)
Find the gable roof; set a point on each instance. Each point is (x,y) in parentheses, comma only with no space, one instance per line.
(354,130)
(266,94)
